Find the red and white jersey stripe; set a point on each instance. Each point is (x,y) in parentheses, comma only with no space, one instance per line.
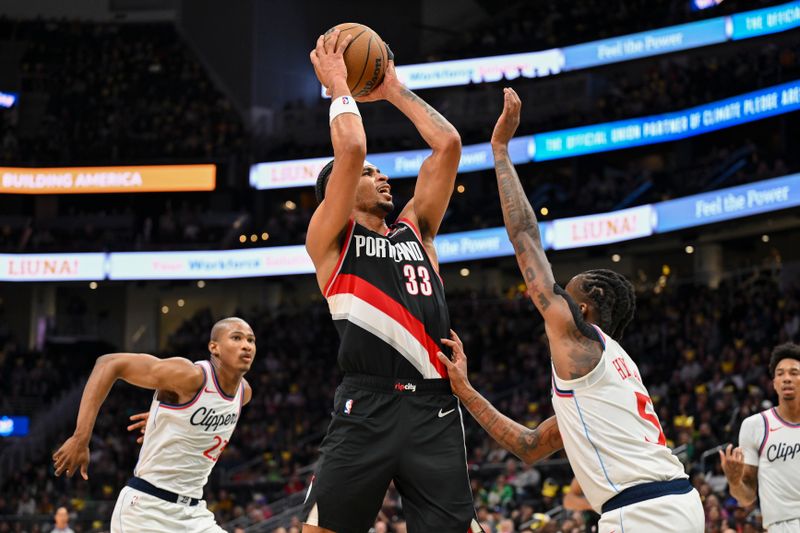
(387,302)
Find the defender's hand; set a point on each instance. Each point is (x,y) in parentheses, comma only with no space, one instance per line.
(732,464)
(509,119)
(140,425)
(71,457)
(457,367)
(328,59)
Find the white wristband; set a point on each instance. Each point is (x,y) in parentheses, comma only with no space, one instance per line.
(343,104)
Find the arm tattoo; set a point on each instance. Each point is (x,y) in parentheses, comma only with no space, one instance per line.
(583,354)
(530,275)
(521,225)
(438,119)
(583,350)
(517,211)
(544,303)
(530,445)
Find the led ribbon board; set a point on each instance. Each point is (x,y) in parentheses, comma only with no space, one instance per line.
(602,52)
(574,232)
(734,111)
(85,180)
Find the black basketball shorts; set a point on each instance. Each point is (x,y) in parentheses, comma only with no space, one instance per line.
(383,430)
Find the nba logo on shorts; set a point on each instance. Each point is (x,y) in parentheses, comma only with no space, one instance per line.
(348,406)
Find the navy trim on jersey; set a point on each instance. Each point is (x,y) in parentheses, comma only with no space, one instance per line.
(784,422)
(216,384)
(766,433)
(194,398)
(600,333)
(560,392)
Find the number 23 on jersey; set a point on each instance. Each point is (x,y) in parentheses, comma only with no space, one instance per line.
(212,452)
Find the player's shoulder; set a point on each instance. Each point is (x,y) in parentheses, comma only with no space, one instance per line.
(753,426)
(755,418)
(247,392)
(196,367)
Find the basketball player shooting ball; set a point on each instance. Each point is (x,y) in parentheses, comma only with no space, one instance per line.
(395,418)
(767,463)
(193,414)
(604,416)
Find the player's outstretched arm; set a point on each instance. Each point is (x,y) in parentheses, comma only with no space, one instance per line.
(438,172)
(574,353)
(530,445)
(742,478)
(349,151)
(176,375)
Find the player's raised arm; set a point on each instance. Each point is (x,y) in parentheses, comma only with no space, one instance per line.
(177,375)
(530,445)
(349,150)
(573,345)
(438,172)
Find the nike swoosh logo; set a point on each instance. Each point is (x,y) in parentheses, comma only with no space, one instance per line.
(211,391)
(445,413)
(774,429)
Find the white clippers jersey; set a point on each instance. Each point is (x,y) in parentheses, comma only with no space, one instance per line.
(773,445)
(183,442)
(610,430)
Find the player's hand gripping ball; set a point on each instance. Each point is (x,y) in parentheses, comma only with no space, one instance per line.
(365,57)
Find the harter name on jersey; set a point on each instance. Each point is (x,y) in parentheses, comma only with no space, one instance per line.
(380,247)
(624,371)
(210,420)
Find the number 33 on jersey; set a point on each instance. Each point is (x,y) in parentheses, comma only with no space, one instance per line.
(387,303)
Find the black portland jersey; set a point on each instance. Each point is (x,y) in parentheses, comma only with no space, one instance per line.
(387,302)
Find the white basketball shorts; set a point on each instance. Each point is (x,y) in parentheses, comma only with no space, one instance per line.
(681,513)
(136,512)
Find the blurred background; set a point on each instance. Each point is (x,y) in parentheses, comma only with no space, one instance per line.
(156,162)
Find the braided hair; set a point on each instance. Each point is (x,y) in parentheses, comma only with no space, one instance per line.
(612,296)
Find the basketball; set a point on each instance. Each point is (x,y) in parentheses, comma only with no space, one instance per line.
(365,57)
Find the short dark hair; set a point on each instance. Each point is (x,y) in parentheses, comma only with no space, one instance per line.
(787,350)
(614,298)
(223,324)
(322,181)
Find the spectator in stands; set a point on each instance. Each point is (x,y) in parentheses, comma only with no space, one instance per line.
(62,521)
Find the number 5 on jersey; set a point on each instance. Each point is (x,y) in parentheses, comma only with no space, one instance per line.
(412,285)
(641,404)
